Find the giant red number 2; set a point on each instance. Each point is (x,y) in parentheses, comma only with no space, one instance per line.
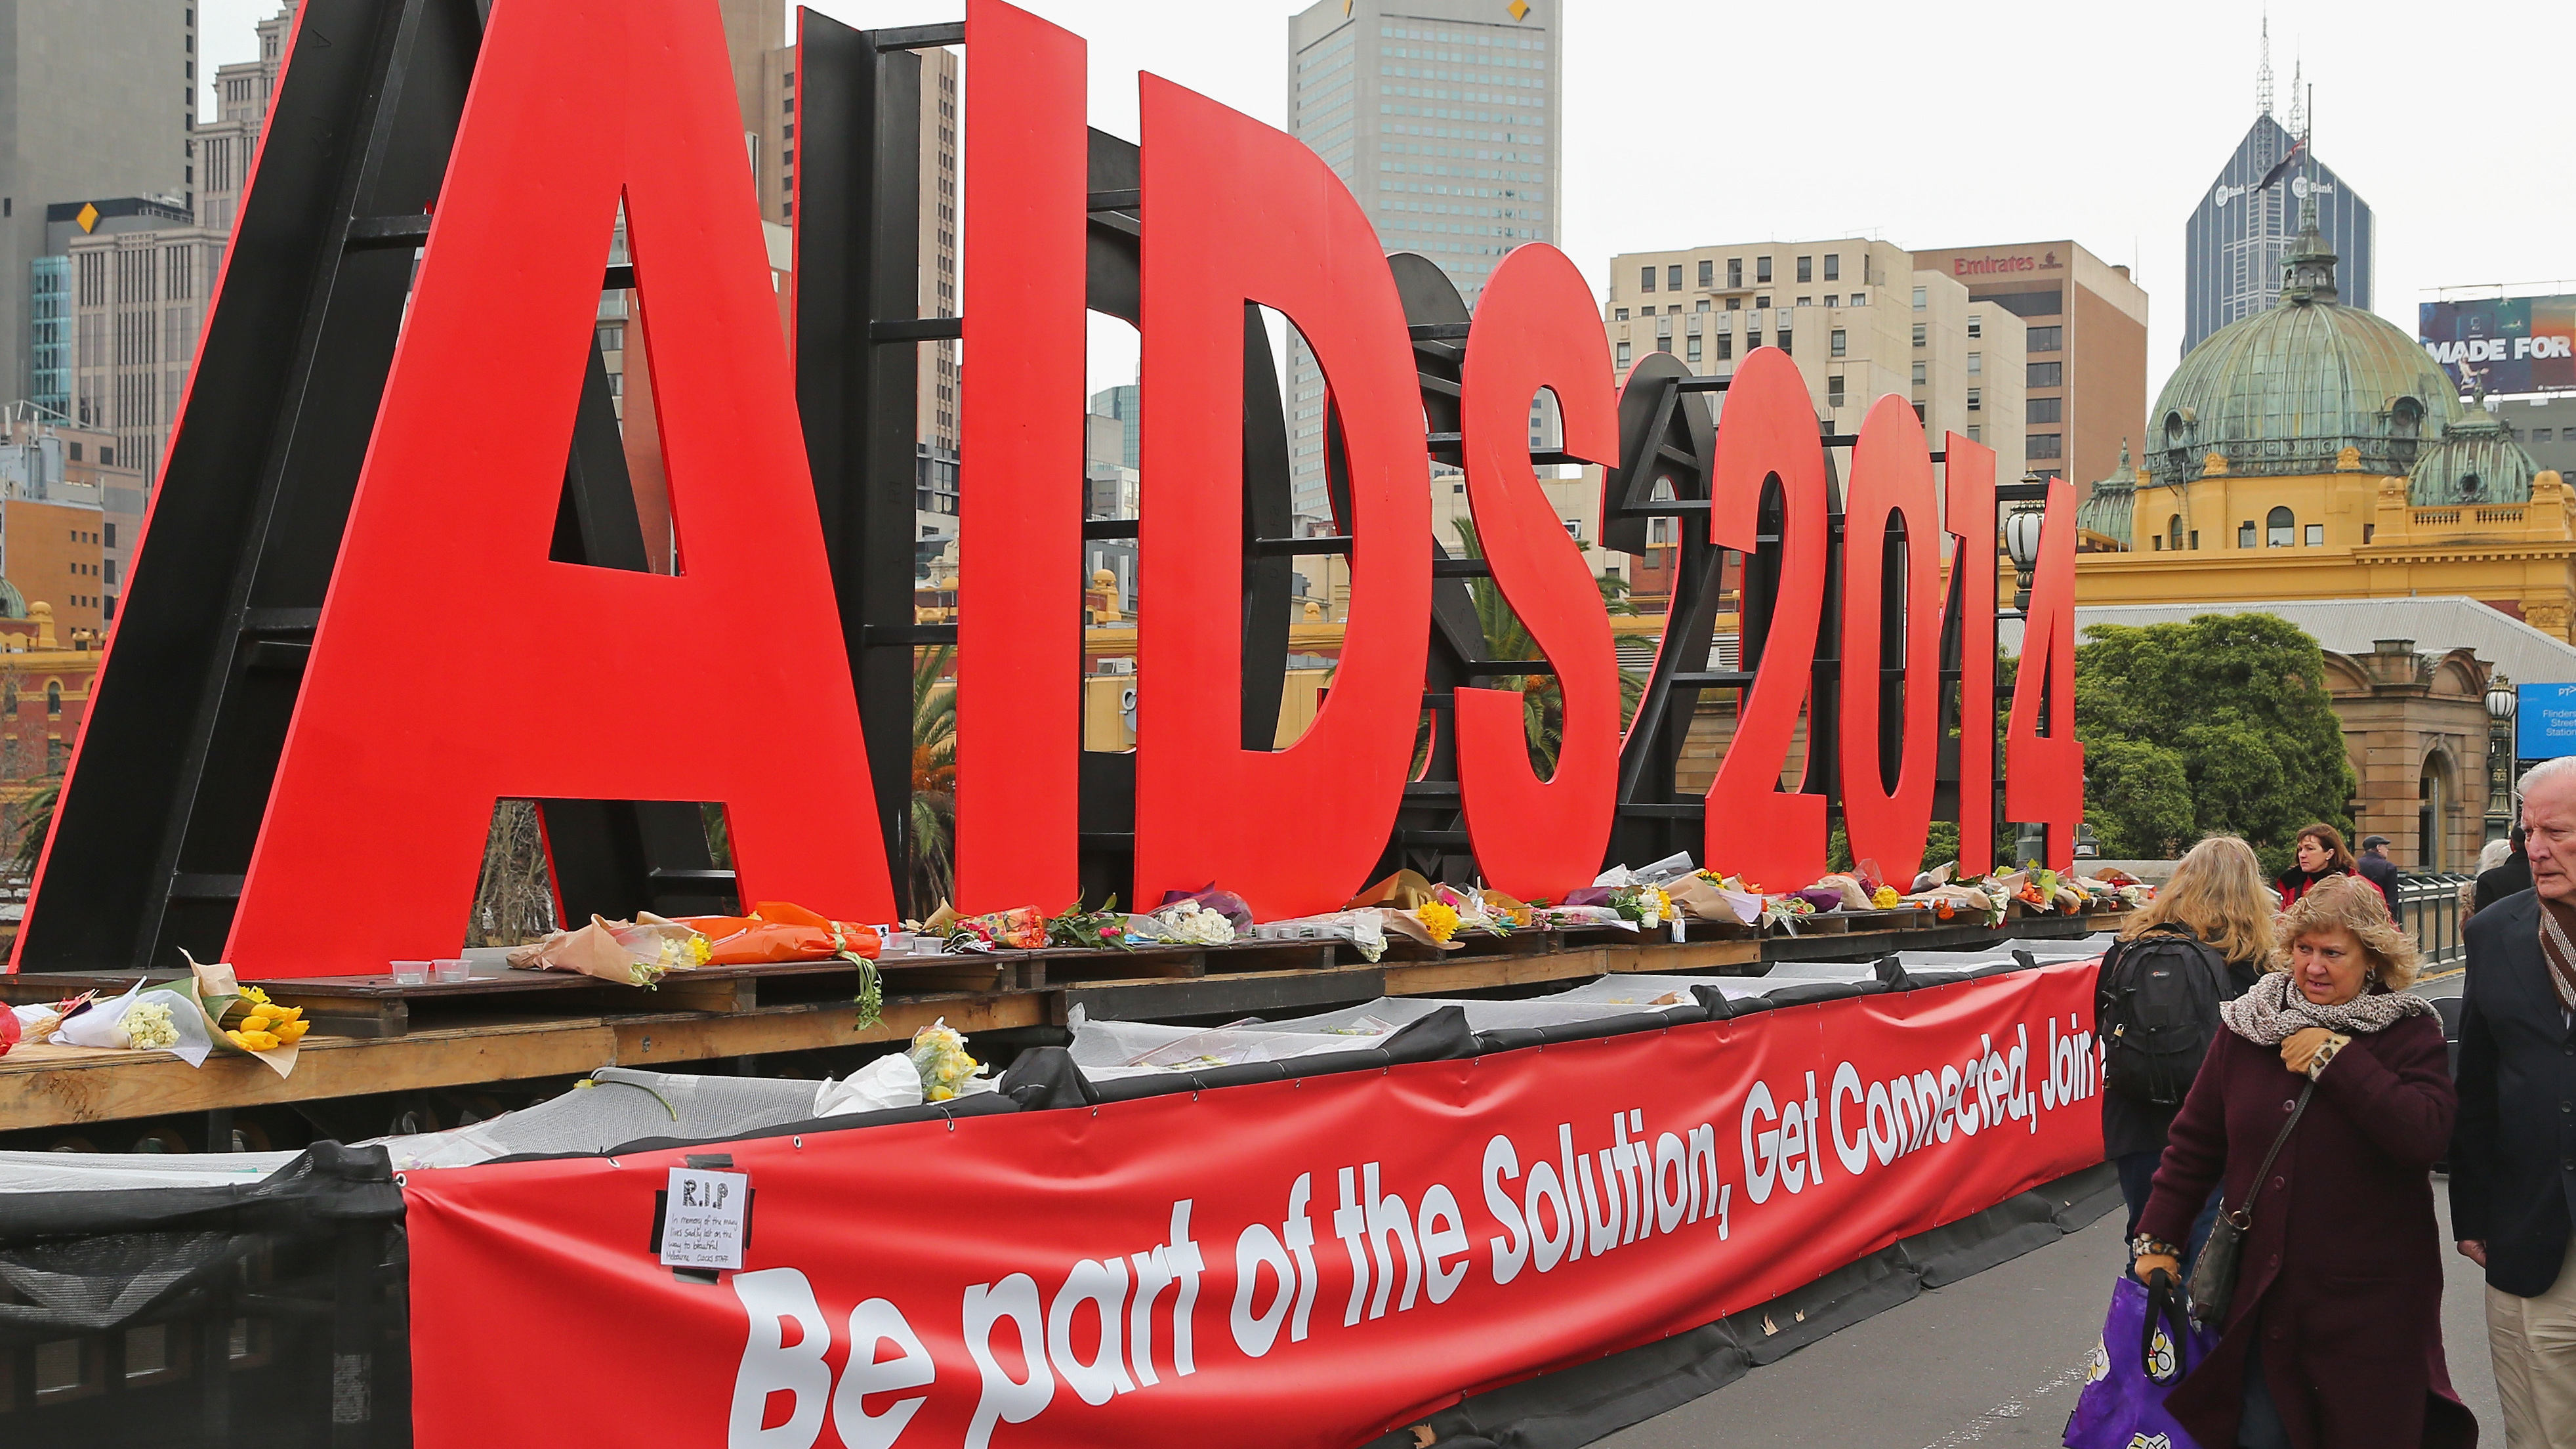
(1772,837)
(1535,838)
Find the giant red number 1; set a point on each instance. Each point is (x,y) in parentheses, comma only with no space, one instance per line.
(1891,478)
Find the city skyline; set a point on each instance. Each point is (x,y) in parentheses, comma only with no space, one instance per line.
(2121,178)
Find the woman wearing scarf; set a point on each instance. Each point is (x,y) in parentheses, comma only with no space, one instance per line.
(2319,855)
(2333,1339)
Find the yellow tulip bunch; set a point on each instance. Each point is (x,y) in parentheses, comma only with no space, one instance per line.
(266,1026)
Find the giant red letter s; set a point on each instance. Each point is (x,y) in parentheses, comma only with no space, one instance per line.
(454,663)
(1237,212)
(1534,328)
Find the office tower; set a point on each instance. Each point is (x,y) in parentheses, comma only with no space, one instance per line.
(2085,392)
(2241,230)
(1442,116)
(138,276)
(96,97)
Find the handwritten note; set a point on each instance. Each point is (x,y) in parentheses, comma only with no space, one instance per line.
(704,1217)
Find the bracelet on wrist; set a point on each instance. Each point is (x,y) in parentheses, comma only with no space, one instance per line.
(2149,1247)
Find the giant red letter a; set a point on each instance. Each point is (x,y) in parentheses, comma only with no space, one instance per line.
(455,664)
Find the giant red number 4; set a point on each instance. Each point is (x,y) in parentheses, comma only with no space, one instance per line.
(1772,837)
(1535,838)
(456,665)
(2044,773)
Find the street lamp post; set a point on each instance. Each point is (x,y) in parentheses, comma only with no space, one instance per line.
(2021,541)
(2501,701)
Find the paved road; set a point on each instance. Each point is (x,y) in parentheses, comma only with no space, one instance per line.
(1995,1360)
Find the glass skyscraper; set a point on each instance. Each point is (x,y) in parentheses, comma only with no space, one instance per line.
(1442,116)
(2241,229)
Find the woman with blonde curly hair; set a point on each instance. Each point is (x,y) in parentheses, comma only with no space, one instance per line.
(2333,1335)
(2214,917)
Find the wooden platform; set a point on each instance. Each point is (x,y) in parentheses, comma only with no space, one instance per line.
(371,1035)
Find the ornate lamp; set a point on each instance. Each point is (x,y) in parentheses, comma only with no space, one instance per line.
(2021,542)
(2502,700)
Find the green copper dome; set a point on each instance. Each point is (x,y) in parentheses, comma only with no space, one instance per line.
(2113,503)
(2286,391)
(2476,461)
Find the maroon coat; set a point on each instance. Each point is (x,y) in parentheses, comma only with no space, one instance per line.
(2341,1272)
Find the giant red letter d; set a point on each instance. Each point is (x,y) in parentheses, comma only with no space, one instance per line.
(455,664)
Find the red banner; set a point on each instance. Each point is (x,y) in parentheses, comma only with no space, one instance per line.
(1322,1259)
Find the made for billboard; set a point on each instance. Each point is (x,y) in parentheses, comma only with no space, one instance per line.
(2503,344)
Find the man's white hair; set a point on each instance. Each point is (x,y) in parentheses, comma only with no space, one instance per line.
(2547,770)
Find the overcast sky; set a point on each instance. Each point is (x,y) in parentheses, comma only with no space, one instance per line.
(1944,125)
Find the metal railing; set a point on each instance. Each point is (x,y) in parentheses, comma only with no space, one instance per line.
(2429,902)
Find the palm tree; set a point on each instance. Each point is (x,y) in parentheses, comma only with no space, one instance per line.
(934,774)
(1542,701)
(36,818)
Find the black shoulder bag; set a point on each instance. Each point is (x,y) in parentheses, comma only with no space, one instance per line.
(2213,1274)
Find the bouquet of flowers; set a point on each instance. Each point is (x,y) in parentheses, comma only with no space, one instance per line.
(263,1026)
(939,1055)
(1439,918)
(1782,912)
(1363,929)
(1020,928)
(1075,926)
(1184,923)
(632,953)
(1645,904)
(1474,912)
(148,1026)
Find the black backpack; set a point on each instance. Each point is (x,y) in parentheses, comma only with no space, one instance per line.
(2158,1012)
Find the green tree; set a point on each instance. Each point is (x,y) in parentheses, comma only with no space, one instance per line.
(2220,724)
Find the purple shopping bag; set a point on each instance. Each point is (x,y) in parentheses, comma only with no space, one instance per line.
(2148,1344)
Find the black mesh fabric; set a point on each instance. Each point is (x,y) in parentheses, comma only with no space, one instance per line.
(266,1313)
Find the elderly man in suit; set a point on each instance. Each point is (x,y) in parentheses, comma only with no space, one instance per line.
(2513,1157)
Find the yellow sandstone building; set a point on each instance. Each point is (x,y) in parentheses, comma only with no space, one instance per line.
(2315,451)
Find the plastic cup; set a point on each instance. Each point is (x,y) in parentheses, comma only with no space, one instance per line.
(900,943)
(410,973)
(458,969)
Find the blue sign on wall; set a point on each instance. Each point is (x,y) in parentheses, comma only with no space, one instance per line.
(2544,722)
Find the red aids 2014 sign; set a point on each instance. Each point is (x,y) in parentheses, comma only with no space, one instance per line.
(455,663)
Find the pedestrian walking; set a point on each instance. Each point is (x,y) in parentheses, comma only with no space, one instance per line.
(2320,853)
(2494,853)
(2512,877)
(2330,1091)
(2202,940)
(2513,1161)
(2374,866)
